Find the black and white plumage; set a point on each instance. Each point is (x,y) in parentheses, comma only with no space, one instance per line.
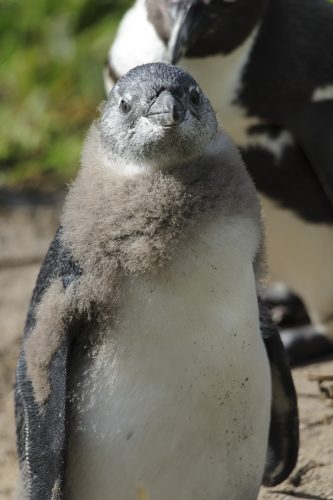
(267,68)
(148,354)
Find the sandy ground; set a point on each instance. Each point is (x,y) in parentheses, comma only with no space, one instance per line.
(24,237)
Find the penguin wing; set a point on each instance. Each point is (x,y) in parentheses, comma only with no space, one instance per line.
(313,129)
(40,425)
(283,434)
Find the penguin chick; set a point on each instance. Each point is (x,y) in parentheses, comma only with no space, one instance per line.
(148,356)
(269,76)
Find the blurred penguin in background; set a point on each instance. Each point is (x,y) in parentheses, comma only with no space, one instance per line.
(267,67)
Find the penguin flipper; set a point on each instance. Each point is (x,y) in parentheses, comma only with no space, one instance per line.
(40,425)
(283,439)
(313,129)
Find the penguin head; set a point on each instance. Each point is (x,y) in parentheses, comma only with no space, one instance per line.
(197,28)
(157,115)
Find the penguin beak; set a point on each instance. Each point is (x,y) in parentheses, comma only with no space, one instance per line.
(167,110)
(186,29)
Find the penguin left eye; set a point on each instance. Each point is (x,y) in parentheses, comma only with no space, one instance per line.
(194,96)
(125,106)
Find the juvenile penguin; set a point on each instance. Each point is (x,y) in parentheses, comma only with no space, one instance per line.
(266,66)
(149,365)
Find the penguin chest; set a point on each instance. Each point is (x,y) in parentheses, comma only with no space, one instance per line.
(177,396)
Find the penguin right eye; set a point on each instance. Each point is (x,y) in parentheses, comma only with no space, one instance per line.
(194,96)
(125,107)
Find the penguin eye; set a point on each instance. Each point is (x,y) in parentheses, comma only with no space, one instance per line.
(125,107)
(194,96)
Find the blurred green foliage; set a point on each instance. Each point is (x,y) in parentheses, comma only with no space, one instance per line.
(51,59)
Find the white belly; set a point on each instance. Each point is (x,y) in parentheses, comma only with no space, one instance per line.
(301,254)
(178,397)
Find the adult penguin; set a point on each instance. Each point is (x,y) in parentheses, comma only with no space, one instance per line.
(267,67)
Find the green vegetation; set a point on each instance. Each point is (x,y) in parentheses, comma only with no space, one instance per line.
(51,59)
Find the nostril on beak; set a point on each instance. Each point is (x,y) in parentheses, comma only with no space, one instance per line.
(177,113)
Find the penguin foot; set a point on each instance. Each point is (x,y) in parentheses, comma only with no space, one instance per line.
(287,308)
(305,343)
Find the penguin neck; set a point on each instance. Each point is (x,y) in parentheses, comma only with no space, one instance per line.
(224,88)
(105,212)
(133,167)
(228,68)
(229,31)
